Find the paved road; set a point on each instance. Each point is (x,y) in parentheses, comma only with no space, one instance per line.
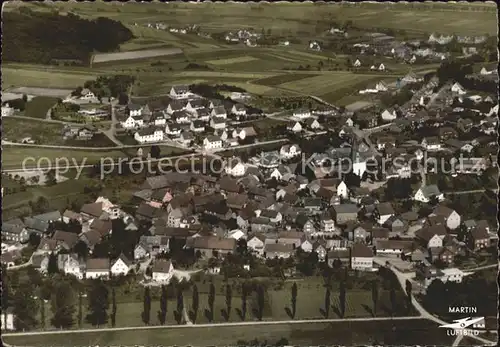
(197,152)
(480,268)
(213,325)
(169,144)
(469,191)
(45,120)
(110,133)
(106,164)
(20,266)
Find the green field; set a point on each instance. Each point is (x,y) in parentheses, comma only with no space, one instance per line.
(229,61)
(15,129)
(404,332)
(39,106)
(279,79)
(282,17)
(47,133)
(12,77)
(13,156)
(259,70)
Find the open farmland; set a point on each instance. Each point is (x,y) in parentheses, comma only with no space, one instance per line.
(328,83)
(144,54)
(229,61)
(280,79)
(13,77)
(446,18)
(42,92)
(39,106)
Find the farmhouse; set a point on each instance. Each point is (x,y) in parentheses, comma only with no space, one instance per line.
(425,193)
(97,268)
(162,270)
(212,142)
(121,266)
(149,135)
(179,92)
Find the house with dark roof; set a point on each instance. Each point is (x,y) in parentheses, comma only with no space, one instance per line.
(383,212)
(162,271)
(344,213)
(147,212)
(97,268)
(92,210)
(278,250)
(49,217)
(478,238)
(66,239)
(208,245)
(361,257)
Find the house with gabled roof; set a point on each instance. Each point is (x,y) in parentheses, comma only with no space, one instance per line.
(361,257)
(91,211)
(179,92)
(426,192)
(97,268)
(121,266)
(162,271)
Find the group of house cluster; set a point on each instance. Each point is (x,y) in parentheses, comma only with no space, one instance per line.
(185,117)
(326,216)
(413,50)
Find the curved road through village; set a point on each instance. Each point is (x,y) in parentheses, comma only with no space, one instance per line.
(402,277)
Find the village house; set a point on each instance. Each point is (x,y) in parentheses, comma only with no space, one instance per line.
(162,271)
(256,243)
(327,224)
(451,216)
(197,126)
(295,127)
(235,168)
(393,247)
(218,123)
(383,212)
(345,212)
(243,133)
(70,265)
(97,268)
(389,115)
(212,142)
(338,257)
(431,143)
(149,135)
(194,105)
(151,246)
(290,151)
(239,110)
(179,92)
(425,193)
(431,237)
(14,232)
(121,266)
(278,250)
(478,238)
(458,89)
(361,257)
(210,245)
(176,106)
(134,110)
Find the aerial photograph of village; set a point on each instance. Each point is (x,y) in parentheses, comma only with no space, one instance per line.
(249,174)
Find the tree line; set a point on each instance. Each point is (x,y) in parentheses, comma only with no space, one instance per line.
(67,37)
